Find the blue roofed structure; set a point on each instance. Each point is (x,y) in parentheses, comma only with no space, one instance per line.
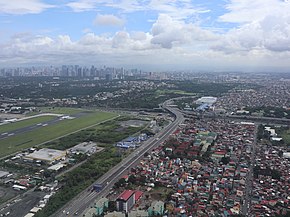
(202,107)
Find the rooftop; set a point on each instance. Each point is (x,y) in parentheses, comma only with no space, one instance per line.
(126,195)
(47,154)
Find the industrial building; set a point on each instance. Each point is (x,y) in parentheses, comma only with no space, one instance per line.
(46,155)
(209,100)
(85,147)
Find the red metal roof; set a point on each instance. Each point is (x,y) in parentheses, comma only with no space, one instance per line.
(126,195)
(138,194)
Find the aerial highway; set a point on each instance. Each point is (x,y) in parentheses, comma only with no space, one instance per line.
(85,199)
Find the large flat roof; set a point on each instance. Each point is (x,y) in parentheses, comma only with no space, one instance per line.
(84,147)
(206,99)
(46,154)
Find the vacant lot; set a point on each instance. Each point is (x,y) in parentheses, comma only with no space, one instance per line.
(25,123)
(26,140)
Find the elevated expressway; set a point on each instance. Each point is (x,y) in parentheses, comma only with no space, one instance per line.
(85,199)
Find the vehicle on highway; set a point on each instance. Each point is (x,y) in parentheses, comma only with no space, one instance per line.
(98,187)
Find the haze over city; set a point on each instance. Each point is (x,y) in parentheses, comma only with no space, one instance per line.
(153,35)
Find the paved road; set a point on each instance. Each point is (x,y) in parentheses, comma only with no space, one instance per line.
(82,113)
(39,125)
(26,202)
(250,177)
(85,199)
(261,120)
(28,128)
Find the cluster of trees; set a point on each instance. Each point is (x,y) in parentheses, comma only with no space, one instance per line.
(41,89)
(270,111)
(18,167)
(210,89)
(79,179)
(107,133)
(262,133)
(149,100)
(275,174)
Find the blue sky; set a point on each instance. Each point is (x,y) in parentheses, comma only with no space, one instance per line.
(153,34)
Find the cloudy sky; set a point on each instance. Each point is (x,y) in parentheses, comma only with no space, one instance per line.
(148,34)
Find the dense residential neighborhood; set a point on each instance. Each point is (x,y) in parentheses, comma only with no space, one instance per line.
(206,165)
(117,147)
(147,108)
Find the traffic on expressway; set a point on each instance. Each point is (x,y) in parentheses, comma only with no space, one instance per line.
(85,199)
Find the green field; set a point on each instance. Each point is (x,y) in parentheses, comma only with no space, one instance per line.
(25,123)
(58,110)
(166,91)
(18,142)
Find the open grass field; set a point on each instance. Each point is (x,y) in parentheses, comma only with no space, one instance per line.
(26,140)
(25,123)
(58,110)
(163,92)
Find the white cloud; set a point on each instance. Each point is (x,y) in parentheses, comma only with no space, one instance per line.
(23,6)
(244,11)
(138,35)
(264,26)
(168,32)
(86,30)
(80,6)
(108,20)
(178,9)
(170,43)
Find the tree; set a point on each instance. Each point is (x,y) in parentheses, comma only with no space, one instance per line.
(132,179)
(225,160)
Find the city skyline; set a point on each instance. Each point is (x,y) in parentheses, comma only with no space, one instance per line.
(152,35)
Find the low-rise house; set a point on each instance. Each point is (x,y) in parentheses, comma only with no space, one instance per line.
(156,208)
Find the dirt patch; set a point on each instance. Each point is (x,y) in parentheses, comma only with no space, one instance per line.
(133,123)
